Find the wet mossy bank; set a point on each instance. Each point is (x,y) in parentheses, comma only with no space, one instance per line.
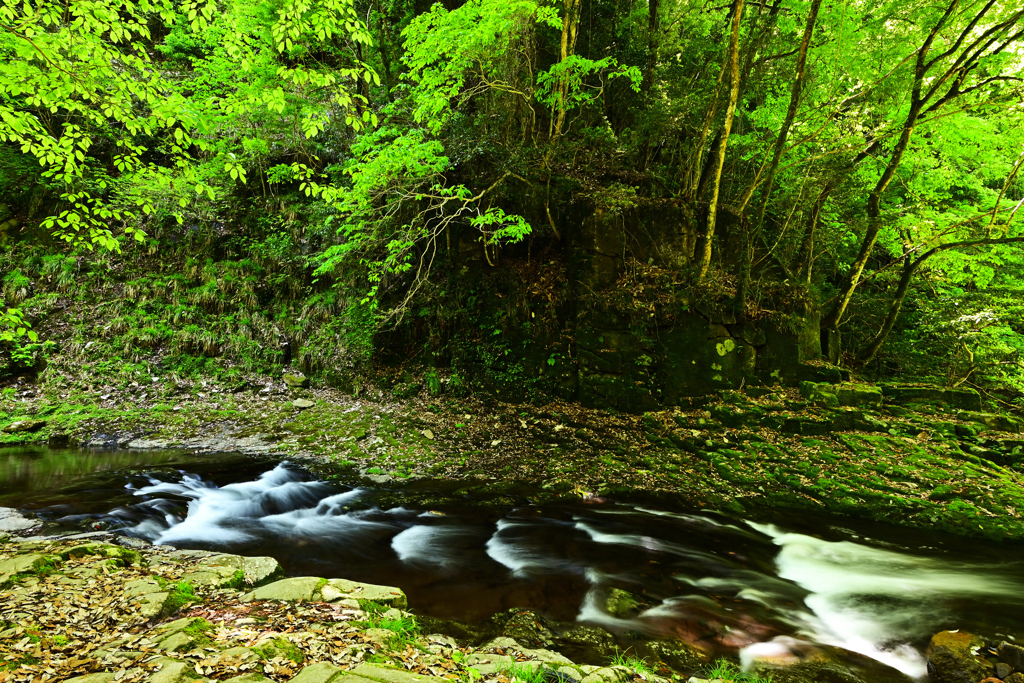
(913,456)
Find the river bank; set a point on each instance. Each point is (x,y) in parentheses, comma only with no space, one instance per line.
(912,456)
(90,611)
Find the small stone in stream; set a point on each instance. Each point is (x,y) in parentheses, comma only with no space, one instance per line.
(428,434)
(1003,670)
(24,426)
(303,403)
(1012,655)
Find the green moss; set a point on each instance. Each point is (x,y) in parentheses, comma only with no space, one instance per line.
(181,594)
(279,647)
(199,632)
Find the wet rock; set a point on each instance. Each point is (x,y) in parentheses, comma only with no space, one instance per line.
(951,659)
(1003,670)
(675,653)
(302,403)
(24,426)
(1012,655)
(620,603)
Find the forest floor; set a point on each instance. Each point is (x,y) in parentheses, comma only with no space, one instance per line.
(929,467)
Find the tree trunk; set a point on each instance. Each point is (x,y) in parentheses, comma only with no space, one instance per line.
(780,145)
(653,28)
(733,59)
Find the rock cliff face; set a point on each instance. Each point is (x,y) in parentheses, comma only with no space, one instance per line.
(633,335)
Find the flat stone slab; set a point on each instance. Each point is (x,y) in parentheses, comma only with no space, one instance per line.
(172,671)
(288,590)
(321,672)
(175,642)
(20,563)
(386,595)
(102,677)
(256,571)
(384,674)
(152,604)
(249,678)
(12,520)
(142,587)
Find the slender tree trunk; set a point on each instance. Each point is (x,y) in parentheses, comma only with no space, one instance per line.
(802,265)
(653,28)
(733,59)
(910,267)
(972,45)
(780,146)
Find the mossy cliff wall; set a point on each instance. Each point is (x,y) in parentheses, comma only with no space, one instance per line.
(633,333)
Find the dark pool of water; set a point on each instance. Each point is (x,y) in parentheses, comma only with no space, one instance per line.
(748,585)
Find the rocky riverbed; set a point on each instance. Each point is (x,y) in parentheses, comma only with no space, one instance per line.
(90,611)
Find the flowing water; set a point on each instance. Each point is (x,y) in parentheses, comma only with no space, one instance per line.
(756,587)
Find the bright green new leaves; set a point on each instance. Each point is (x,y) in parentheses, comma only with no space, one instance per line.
(69,70)
(75,74)
(14,325)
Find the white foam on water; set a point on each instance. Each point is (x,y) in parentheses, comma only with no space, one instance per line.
(648,543)
(504,548)
(867,600)
(276,499)
(435,546)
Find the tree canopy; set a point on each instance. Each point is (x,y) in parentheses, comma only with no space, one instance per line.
(828,151)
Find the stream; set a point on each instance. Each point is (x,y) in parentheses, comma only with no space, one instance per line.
(750,586)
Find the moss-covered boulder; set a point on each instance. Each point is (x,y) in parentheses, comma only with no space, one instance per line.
(952,658)
(902,394)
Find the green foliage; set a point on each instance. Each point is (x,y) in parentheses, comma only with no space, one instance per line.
(524,672)
(637,664)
